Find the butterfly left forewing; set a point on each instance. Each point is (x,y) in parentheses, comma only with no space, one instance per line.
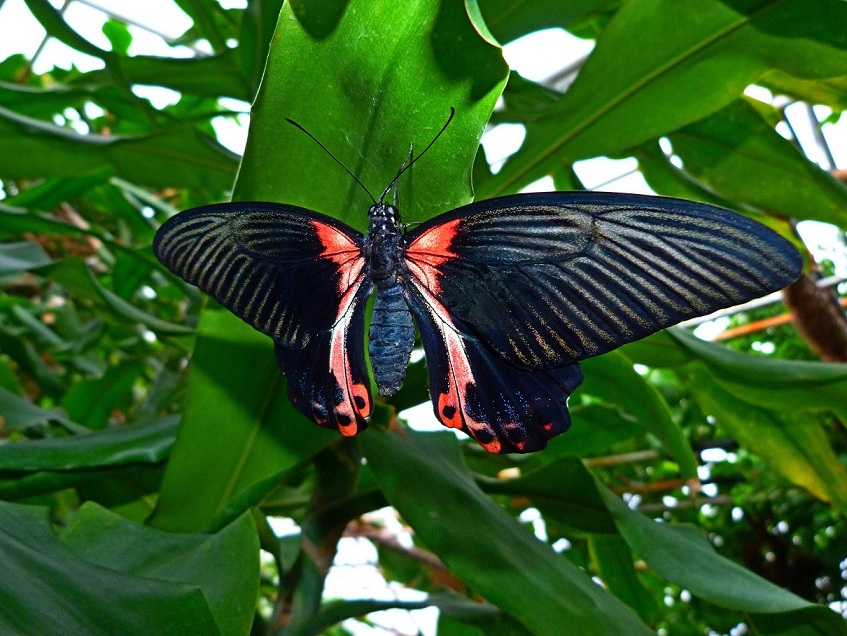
(295,275)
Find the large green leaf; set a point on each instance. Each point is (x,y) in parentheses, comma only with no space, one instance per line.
(367,93)
(785,385)
(612,378)
(483,545)
(49,589)
(147,442)
(697,58)
(178,155)
(239,432)
(682,555)
(224,565)
(738,154)
(793,445)
(377,92)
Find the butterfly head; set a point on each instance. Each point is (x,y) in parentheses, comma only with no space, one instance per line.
(383,216)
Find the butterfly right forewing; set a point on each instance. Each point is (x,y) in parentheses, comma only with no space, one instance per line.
(549,279)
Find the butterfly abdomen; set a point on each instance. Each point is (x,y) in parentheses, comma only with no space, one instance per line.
(392,337)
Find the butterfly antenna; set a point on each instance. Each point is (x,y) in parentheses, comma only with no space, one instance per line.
(421,154)
(337,160)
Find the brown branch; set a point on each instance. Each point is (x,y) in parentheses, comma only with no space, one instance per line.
(386,539)
(623,458)
(438,572)
(819,318)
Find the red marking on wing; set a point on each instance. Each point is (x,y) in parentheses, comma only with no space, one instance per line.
(431,249)
(342,250)
(451,405)
(339,360)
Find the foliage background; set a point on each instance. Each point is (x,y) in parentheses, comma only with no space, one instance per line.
(136,487)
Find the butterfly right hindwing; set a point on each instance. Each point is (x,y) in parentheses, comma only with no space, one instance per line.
(504,408)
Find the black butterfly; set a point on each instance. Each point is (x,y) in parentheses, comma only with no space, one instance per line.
(508,295)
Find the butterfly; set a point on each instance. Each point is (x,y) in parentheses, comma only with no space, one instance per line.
(508,294)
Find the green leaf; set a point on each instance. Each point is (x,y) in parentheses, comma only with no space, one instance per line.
(612,378)
(138,478)
(795,446)
(831,91)
(237,415)
(789,385)
(209,76)
(176,156)
(482,544)
(613,559)
(224,565)
(431,58)
(92,402)
(26,357)
(77,278)
(658,53)
(43,591)
(683,556)
(579,506)
(595,428)
(449,604)
(19,257)
(52,192)
(205,14)
(118,35)
(257,28)
(53,21)
(739,155)
(142,443)
(511,19)
(18,413)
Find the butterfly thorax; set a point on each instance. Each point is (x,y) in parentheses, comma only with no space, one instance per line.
(392,334)
(383,242)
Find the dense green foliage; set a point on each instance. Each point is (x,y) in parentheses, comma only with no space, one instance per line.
(146,432)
